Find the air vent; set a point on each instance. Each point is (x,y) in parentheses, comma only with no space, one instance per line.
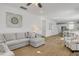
(22,7)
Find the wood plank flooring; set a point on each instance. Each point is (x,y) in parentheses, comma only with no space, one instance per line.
(54,46)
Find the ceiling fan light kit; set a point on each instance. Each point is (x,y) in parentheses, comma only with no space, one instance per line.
(36,4)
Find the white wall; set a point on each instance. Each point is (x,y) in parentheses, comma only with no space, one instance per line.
(53,30)
(28,20)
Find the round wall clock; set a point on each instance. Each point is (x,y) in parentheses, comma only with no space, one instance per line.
(14,20)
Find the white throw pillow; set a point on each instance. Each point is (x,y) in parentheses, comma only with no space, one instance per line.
(10,36)
(20,35)
(38,36)
(33,35)
(28,34)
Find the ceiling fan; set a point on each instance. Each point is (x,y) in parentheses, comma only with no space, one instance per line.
(28,4)
(38,4)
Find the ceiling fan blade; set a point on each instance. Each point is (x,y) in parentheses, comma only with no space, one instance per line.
(39,5)
(22,7)
(29,4)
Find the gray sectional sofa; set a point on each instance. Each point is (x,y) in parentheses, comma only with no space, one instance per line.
(17,40)
(14,40)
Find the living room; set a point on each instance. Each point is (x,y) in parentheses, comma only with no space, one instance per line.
(39,29)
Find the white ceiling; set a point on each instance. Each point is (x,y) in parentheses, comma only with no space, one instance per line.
(54,11)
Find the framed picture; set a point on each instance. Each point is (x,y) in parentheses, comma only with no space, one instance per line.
(13,20)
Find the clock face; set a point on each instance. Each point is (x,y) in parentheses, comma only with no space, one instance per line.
(14,20)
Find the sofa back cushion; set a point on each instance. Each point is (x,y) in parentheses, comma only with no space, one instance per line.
(2,38)
(32,35)
(20,35)
(10,36)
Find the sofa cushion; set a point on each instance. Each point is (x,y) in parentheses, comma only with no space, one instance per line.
(37,40)
(14,42)
(2,49)
(20,35)
(2,38)
(10,36)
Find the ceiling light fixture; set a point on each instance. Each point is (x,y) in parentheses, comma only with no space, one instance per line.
(36,4)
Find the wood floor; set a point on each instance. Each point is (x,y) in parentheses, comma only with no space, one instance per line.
(54,46)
